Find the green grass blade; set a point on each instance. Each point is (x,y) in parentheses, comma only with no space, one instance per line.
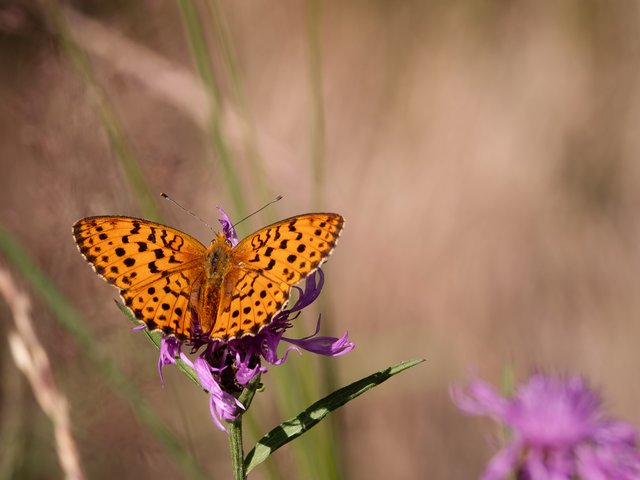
(202,60)
(156,338)
(294,427)
(320,449)
(317,127)
(199,49)
(507,387)
(263,192)
(122,148)
(71,320)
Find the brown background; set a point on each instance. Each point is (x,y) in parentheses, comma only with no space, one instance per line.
(485,155)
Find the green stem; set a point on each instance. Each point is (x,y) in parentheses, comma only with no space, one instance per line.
(235,430)
(237,451)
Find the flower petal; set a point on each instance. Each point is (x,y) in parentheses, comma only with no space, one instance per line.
(169,350)
(222,405)
(502,463)
(307,295)
(227,227)
(616,432)
(244,373)
(479,399)
(328,346)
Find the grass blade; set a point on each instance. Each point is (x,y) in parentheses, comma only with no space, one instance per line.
(202,60)
(263,192)
(155,338)
(122,148)
(317,128)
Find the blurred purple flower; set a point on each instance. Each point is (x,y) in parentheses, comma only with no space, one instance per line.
(557,431)
(224,368)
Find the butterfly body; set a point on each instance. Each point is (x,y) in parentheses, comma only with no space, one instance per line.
(217,265)
(173,283)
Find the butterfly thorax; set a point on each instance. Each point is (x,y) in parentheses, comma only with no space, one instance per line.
(217,258)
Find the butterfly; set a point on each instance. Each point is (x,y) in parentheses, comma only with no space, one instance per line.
(173,283)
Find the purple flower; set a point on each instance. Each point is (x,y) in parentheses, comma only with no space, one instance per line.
(222,405)
(227,227)
(225,368)
(557,431)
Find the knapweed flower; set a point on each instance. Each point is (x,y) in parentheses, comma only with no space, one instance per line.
(224,368)
(557,431)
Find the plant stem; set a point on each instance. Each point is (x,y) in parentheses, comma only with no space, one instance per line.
(235,430)
(237,451)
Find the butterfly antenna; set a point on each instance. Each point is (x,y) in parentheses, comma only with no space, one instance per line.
(277,199)
(167,197)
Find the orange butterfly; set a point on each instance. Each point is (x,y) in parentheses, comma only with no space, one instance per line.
(166,276)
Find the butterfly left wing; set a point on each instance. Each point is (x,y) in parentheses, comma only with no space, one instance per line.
(267,264)
(155,267)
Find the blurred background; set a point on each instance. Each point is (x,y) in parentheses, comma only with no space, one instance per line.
(484,154)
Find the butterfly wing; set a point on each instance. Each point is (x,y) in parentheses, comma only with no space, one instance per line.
(267,264)
(155,267)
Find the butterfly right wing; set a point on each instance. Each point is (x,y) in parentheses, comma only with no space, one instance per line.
(155,267)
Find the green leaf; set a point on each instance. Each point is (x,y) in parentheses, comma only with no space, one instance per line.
(296,426)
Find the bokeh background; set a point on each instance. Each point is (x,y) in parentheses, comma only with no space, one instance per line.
(485,155)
